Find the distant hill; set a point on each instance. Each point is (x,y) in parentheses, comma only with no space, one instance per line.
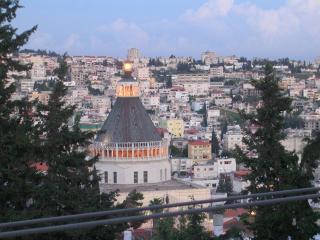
(40,52)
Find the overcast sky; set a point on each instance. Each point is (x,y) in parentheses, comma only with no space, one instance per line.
(262,28)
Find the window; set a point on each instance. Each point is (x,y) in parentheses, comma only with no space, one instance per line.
(115,177)
(210,169)
(135,177)
(105,177)
(160,174)
(227,162)
(165,174)
(145,176)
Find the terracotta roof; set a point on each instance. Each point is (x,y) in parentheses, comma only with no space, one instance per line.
(199,142)
(41,167)
(177,88)
(229,224)
(128,121)
(191,131)
(161,131)
(241,173)
(143,234)
(231,213)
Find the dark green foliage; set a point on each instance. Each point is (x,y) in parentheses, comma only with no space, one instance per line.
(183,67)
(203,111)
(165,230)
(225,184)
(215,147)
(40,52)
(62,148)
(232,117)
(62,70)
(194,228)
(230,82)
(176,152)
(189,228)
(46,85)
(155,62)
(94,91)
(276,169)
(224,128)
(311,155)
(293,121)
(18,179)
(133,200)
(251,99)
(33,133)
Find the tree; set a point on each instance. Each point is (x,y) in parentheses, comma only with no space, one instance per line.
(165,230)
(293,121)
(275,169)
(18,178)
(62,149)
(205,115)
(225,184)
(183,67)
(191,227)
(156,201)
(62,70)
(215,147)
(224,128)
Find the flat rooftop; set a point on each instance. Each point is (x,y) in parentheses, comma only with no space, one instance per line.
(163,186)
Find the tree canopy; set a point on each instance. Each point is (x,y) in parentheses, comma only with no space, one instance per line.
(276,169)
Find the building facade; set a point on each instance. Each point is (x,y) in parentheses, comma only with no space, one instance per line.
(130,149)
(199,150)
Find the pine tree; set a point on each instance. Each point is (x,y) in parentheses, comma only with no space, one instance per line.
(214,143)
(225,184)
(224,128)
(276,169)
(18,178)
(205,115)
(156,201)
(72,184)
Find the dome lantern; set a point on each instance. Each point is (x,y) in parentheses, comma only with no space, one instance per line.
(127,87)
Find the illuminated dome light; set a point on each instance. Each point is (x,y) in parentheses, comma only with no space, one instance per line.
(127,87)
(127,67)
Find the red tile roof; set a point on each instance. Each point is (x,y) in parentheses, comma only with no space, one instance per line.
(161,131)
(199,142)
(191,131)
(41,167)
(241,173)
(231,213)
(229,224)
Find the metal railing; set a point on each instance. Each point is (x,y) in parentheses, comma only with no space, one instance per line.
(276,197)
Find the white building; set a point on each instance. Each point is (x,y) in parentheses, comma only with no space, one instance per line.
(130,150)
(27,85)
(232,138)
(295,140)
(209,58)
(133,54)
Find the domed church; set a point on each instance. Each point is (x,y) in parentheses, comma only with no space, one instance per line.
(130,149)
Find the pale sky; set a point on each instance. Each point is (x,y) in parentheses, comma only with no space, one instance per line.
(263,28)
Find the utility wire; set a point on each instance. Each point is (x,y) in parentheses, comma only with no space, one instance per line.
(150,208)
(91,224)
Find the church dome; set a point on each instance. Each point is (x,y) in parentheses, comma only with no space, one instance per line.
(128,120)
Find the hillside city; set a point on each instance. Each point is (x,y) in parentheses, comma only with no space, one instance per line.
(195,105)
